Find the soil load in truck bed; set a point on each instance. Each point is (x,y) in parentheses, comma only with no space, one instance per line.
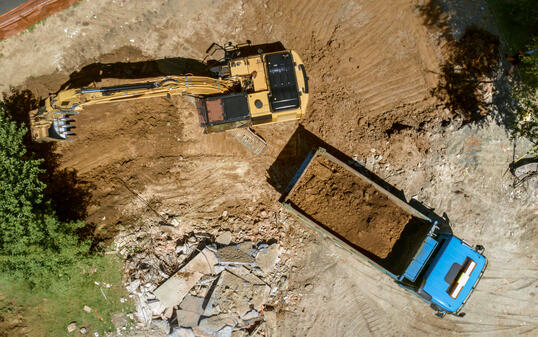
(349,207)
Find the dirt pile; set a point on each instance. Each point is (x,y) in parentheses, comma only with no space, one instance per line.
(349,207)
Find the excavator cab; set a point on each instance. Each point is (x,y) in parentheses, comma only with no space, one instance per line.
(275,89)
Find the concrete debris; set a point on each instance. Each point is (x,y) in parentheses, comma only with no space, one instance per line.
(193,304)
(220,290)
(156,307)
(213,324)
(71,327)
(83,330)
(268,257)
(234,255)
(224,238)
(162,325)
(250,315)
(225,332)
(187,319)
(181,332)
(171,292)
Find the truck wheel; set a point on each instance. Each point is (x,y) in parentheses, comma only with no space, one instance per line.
(461,314)
(479,248)
(440,314)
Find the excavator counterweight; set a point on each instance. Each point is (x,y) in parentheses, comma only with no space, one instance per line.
(250,90)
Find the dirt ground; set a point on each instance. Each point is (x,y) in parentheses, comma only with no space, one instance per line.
(372,67)
(353,209)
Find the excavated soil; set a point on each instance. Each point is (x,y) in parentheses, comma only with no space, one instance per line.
(349,207)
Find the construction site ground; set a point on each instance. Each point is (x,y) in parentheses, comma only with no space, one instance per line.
(373,66)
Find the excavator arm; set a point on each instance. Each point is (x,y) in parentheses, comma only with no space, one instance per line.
(53,119)
(249,90)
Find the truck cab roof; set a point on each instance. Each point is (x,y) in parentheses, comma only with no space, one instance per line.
(453,274)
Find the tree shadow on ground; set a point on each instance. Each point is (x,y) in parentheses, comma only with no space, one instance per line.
(465,78)
(68,194)
(434,17)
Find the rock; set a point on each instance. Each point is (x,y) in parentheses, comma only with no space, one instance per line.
(233,255)
(83,330)
(133,286)
(156,307)
(224,238)
(193,304)
(71,327)
(168,312)
(213,324)
(173,291)
(164,326)
(225,332)
(267,258)
(187,319)
(270,322)
(119,320)
(87,308)
(181,332)
(238,290)
(250,315)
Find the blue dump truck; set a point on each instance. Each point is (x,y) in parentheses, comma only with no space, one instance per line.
(436,266)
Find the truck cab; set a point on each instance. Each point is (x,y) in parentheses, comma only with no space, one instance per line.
(444,272)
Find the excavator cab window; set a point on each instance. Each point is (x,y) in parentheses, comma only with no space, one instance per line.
(281,73)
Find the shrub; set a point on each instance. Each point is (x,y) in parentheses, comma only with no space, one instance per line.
(34,244)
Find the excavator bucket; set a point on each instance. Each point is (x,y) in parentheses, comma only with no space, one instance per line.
(48,127)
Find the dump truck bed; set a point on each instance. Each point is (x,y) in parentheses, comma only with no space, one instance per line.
(355,212)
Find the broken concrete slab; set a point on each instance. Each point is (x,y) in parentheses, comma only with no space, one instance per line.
(233,255)
(173,290)
(234,292)
(187,319)
(213,324)
(162,325)
(225,332)
(193,304)
(267,258)
(224,238)
(156,307)
(250,315)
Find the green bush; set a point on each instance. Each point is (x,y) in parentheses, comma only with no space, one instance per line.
(34,244)
(526,94)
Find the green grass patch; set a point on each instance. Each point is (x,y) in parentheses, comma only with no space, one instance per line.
(49,311)
(517,20)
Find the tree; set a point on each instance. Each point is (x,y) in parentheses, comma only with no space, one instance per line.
(526,94)
(33,242)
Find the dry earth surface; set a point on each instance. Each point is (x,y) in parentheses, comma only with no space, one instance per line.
(372,65)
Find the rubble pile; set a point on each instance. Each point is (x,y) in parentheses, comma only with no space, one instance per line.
(200,286)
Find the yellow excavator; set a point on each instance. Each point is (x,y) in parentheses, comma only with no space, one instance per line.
(244,90)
